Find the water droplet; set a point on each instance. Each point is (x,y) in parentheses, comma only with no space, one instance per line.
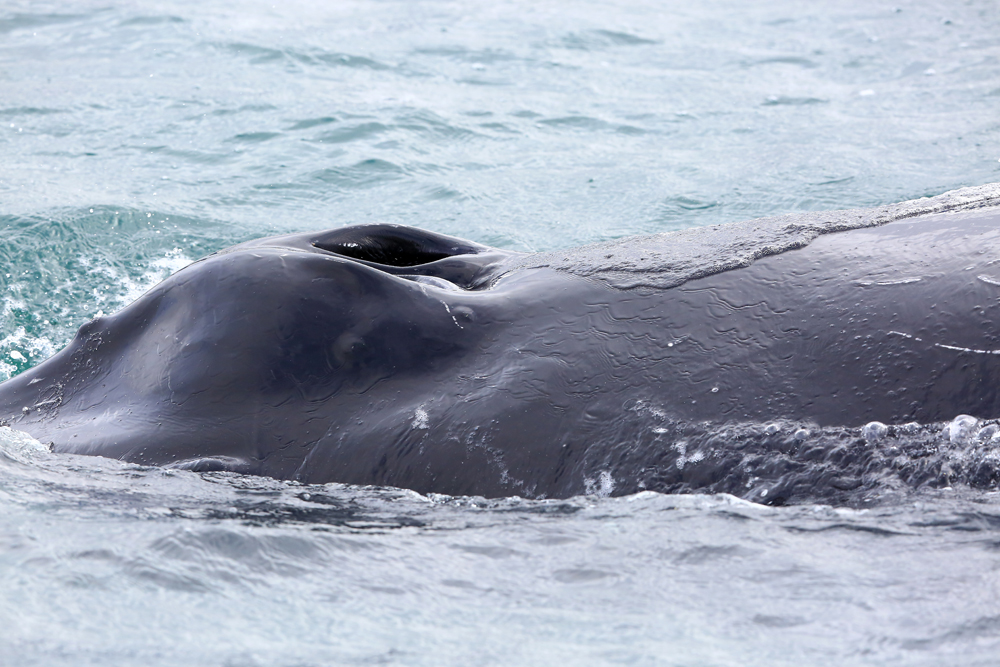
(874,431)
(961,428)
(987,432)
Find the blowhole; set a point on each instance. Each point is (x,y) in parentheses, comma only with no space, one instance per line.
(391,245)
(384,252)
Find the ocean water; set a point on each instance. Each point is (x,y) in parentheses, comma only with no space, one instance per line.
(136,137)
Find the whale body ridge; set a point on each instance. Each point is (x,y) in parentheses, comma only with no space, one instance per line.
(743,358)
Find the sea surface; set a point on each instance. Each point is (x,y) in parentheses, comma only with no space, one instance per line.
(136,137)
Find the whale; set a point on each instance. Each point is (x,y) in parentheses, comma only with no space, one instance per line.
(383,354)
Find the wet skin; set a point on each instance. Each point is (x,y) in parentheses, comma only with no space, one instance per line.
(388,355)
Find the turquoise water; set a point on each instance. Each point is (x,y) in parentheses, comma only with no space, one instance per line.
(137,137)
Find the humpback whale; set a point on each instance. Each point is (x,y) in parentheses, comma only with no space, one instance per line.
(388,355)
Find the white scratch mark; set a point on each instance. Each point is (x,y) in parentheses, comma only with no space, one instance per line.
(452,316)
(966,349)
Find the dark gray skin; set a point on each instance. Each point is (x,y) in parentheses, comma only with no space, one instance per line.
(320,357)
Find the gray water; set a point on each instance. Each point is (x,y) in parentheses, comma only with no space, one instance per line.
(136,137)
(106,563)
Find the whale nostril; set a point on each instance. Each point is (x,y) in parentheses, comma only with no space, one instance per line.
(381,251)
(393,245)
(413,254)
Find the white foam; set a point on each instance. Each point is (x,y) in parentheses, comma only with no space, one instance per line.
(20,346)
(19,446)
(988,432)
(683,459)
(171,262)
(420,419)
(602,487)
